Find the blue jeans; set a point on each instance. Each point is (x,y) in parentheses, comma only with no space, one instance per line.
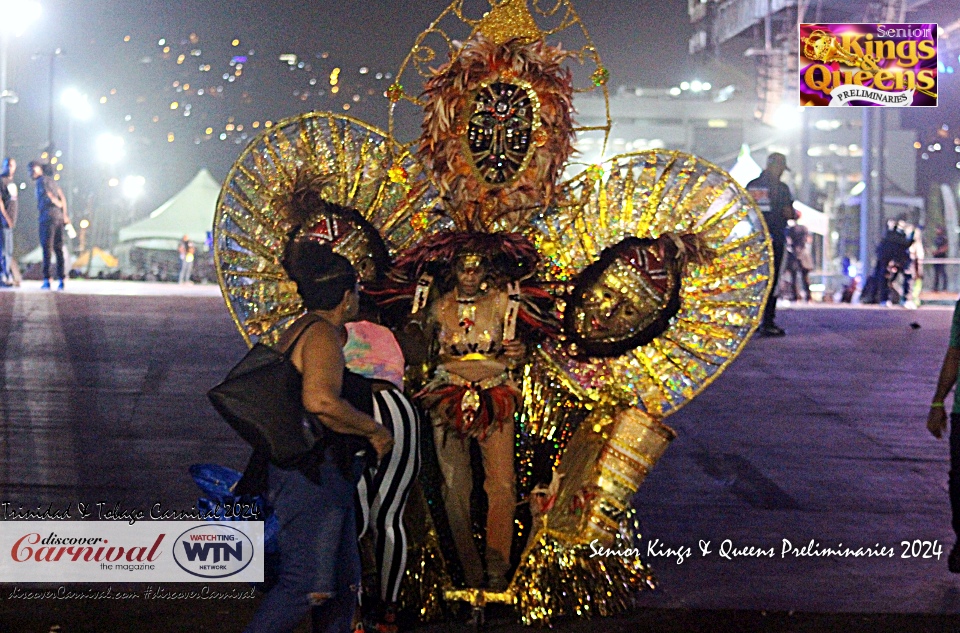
(8,252)
(318,552)
(4,254)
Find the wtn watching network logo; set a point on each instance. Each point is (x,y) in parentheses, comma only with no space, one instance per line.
(213,551)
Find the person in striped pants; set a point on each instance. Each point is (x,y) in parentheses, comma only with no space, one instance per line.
(382,493)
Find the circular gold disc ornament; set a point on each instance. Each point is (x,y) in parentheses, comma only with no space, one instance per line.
(363,169)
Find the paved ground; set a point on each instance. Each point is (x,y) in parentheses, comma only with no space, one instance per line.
(818,436)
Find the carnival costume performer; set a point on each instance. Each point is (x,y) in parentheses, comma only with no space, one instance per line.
(473,396)
(634,282)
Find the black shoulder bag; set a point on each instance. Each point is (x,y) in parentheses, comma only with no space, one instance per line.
(261,398)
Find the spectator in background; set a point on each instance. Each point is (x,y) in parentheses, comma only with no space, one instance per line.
(893,257)
(799,260)
(6,225)
(52,207)
(776,203)
(8,196)
(913,273)
(187,253)
(940,248)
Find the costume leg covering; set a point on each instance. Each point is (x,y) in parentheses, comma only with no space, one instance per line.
(500,486)
(453,454)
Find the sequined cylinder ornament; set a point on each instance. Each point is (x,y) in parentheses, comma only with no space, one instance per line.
(606,461)
(633,449)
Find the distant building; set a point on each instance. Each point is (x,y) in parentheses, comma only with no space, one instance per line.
(718,118)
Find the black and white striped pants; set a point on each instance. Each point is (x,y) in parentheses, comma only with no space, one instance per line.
(383,492)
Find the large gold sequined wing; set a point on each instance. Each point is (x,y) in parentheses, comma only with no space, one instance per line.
(647,194)
(366,171)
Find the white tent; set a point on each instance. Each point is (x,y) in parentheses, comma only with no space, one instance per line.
(190,212)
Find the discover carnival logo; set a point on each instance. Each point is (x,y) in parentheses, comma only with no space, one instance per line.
(54,549)
(108,551)
(213,551)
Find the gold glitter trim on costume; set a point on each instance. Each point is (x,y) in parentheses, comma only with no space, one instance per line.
(251,224)
(562,578)
(508,20)
(648,194)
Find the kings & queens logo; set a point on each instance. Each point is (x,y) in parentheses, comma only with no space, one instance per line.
(868,65)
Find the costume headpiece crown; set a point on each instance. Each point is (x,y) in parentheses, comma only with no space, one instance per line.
(509,20)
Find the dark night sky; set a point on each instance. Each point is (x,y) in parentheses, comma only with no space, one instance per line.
(642,43)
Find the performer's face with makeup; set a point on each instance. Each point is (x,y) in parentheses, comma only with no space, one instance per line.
(470,272)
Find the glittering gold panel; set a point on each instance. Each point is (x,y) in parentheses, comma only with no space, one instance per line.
(366,170)
(605,462)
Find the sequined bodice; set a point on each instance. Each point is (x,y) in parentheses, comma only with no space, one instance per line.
(471,326)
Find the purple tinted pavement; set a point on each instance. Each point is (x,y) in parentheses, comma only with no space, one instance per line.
(816,436)
(820,436)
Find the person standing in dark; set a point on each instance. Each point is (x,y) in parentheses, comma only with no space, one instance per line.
(940,248)
(187,253)
(6,224)
(8,198)
(52,207)
(775,201)
(799,261)
(937,425)
(893,258)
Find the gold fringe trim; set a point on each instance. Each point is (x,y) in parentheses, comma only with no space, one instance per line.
(560,578)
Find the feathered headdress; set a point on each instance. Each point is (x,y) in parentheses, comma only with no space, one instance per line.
(509,256)
(542,89)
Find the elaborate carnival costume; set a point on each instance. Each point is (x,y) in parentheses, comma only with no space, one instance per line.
(635,282)
(472,396)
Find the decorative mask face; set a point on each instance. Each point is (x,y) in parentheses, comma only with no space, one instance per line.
(622,300)
(500,131)
(607,314)
(619,304)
